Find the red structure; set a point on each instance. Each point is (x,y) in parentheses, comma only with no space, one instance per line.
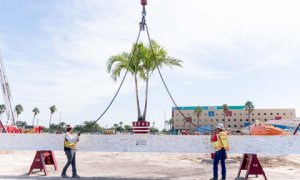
(252,166)
(144,2)
(41,159)
(141,127)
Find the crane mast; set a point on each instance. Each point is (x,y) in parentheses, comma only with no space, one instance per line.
(11,116)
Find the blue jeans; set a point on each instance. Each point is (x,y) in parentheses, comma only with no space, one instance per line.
(220,155)
(71,155)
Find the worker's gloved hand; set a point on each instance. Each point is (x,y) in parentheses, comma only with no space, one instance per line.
(78,134)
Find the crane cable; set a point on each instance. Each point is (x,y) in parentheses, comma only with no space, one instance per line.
(161,77)
(143,26)
(119,88)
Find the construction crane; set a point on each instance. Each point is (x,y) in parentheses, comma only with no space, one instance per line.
(11,116)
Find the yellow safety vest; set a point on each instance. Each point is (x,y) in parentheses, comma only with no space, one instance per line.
(222,141)
(69,145)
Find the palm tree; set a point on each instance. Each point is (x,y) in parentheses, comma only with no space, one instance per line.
(131,62)
(2,110)
(52,110)
(121,124)
(197,112)
(249,108)
(35,112)
(171,123)
(19,109)
(158,57)
(225,110)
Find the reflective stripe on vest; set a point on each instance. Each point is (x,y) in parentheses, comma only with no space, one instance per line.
(222,141)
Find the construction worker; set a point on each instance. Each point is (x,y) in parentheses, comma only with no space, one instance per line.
(70,151)
(220,140)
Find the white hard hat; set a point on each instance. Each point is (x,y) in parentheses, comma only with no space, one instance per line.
(220,126)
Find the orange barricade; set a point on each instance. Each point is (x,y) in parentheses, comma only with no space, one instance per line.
(41,159)
(252,166)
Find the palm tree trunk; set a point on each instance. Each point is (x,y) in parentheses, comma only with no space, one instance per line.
(50,119)
(33,120)
(146,97)
(249,120)
(137,99)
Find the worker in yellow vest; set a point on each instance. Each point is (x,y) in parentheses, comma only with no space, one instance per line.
(220,140)
(70,151)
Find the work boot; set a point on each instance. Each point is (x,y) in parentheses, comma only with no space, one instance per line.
(223,179)
(64,176)
(75,176)
(213,179)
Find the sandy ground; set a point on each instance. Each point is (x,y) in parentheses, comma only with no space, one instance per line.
(134,166)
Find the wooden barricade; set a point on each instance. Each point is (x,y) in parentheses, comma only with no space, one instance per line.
(252,166)
(41,159)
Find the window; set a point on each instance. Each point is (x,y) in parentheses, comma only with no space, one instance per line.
(223,120)
(241,120)
(205,114)
(240,114)
(252,114)
(253,120)
(283,113)
(246,119)
(265,119)
(277,113)
(234,125)
(229,125)
(271,113)
(258,114)
(241,125)
(265,113)
(228,119)
(217,119)
(234,119)
(211,120)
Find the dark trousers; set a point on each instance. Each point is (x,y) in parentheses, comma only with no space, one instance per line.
(220,156)
(71,155)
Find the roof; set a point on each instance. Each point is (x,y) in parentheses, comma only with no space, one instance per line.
(286,122)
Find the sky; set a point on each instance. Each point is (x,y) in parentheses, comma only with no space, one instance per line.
(55,53)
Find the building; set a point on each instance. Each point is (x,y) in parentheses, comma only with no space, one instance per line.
(236,117)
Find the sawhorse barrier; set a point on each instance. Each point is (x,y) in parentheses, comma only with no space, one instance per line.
(252,166)
(41,159)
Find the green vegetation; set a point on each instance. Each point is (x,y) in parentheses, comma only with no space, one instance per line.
(140,63)
(52,110)
(19,109)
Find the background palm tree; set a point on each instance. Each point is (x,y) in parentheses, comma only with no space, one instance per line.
(19,109)
(52,110)
(35,112)
(171,123)
(151,59)
(2,110)
(225,110)
(131,62)
(249,108)
(197,113)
